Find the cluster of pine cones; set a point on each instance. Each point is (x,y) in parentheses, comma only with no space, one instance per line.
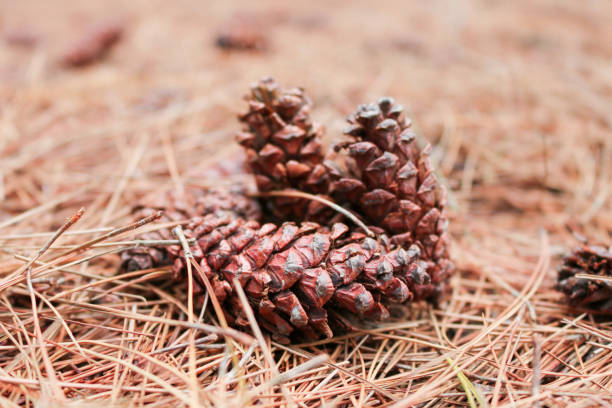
(309,273)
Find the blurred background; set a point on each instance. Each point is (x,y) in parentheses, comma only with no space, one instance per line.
(105,102)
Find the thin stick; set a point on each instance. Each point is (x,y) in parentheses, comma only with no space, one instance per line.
(537,357)
(605,279)
(301,194)
(69,223)
(15,279)
(193,382)
(57,391)
(134,243)
(132,226)
(260,339)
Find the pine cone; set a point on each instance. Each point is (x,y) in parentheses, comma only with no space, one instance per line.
(242,34)
(393,184)
(592,260)
(93,43)
(283,148)
(306,280)
(195,202)
(312,280)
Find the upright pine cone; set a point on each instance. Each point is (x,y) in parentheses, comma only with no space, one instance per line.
(181,208)
(283,148)
(304,280)
(393,184)
(591,260)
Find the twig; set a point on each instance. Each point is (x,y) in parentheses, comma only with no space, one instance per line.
(193,381)
(260,338)
(14,278)
(537,357)
(58,395)
(301,194)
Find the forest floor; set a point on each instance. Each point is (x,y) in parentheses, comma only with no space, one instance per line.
(515,98)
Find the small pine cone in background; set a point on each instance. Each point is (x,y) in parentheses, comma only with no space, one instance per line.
(283,148)
(303,281)
(588,291)
(181,208)
(93,43)
(241,34)
(392,183)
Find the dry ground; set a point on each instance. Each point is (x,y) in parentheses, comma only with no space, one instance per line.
(514,95)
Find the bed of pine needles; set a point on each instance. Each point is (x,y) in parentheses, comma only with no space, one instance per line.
(514,96)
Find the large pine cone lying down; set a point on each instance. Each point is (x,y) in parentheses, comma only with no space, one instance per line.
(302,279)
(591,260)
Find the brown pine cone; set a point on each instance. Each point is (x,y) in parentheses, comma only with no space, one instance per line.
(242,34)
(194,202)
(93,43)
(393,183)
(283,148)
(312,280)
(591,260)
(306,280)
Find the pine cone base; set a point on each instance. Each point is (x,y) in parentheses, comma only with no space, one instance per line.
(179,208)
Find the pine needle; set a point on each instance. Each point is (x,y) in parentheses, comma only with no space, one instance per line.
(470,391)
